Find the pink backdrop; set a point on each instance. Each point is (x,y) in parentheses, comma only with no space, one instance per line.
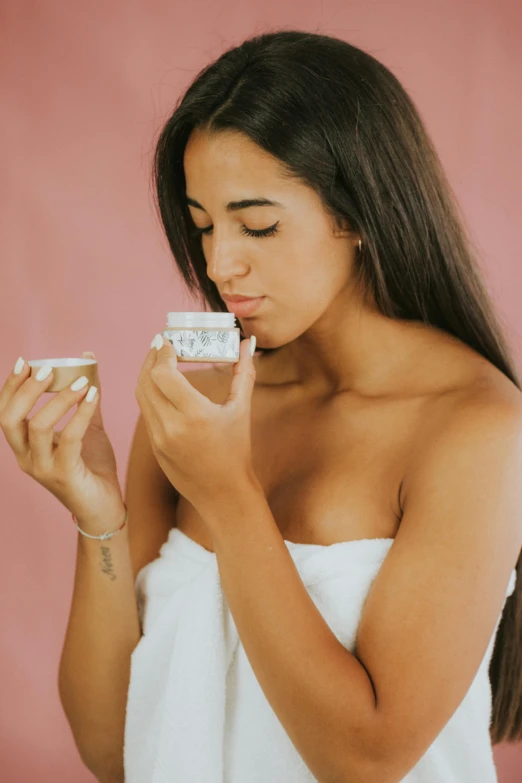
(84,266)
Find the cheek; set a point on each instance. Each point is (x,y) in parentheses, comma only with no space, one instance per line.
(306,272)
(311,284)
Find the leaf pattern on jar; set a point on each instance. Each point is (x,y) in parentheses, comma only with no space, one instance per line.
(205,343)
(187,341)
(205,338)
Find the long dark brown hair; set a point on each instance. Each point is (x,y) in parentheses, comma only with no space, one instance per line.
(340,122)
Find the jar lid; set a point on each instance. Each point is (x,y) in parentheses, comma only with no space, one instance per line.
(198,319)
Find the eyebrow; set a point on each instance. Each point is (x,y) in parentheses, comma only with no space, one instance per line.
(234,206)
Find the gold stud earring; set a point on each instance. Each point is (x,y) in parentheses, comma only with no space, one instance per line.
(360,245)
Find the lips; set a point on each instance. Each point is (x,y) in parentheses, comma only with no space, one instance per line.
(242,306)
(238,297)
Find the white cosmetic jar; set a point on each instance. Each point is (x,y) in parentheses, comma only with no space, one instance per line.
(203,336)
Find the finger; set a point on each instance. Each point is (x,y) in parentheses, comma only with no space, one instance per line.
(97,419)
(13,383)
(149,362)
(147,394)
(41,426)
(69,448)
(243,379)
(153,412)
(173,384)
(19,398)
(150,399)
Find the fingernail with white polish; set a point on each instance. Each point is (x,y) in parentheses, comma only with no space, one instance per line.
(157,342)
(91,394)
(252,345)
(19,366)
(79,383)
(44,372)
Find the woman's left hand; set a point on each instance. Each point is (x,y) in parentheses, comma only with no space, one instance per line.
(203,448)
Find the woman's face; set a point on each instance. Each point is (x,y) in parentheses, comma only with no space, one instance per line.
(302,268)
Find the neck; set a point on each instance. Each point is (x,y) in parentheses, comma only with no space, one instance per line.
(363,352)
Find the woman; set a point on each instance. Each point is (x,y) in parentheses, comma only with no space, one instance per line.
(338,517)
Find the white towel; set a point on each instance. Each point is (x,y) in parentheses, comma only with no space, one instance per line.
(195,711)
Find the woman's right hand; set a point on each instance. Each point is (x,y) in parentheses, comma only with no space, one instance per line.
(77,464)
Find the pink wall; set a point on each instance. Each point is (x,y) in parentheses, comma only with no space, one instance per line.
(84,87)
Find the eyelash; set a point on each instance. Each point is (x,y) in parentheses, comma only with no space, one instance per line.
(265,232)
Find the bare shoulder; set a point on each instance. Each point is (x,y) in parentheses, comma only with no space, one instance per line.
(491,385)
(491,397)
(488,404)
(490,411)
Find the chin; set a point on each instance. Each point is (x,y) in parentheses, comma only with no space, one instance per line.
(266,338)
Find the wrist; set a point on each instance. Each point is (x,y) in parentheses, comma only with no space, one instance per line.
(237,498)
(108,521)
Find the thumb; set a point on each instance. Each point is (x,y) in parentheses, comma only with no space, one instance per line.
(243,376)
(97,415)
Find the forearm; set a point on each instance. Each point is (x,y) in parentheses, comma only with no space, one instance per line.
(320,692)
(102,632)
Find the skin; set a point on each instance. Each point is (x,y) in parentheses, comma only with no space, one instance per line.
(329,340)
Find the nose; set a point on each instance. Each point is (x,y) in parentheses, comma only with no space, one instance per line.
(224,260)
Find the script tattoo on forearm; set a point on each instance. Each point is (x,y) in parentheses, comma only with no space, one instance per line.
(107,562)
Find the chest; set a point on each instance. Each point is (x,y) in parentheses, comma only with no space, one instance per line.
(330,470)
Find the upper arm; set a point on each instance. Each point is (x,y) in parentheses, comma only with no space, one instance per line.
(150,499)
(433,606)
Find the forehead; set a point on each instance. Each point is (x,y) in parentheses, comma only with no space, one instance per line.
(230,167)
(228,154)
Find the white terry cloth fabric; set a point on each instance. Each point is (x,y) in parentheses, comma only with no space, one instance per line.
(195,710)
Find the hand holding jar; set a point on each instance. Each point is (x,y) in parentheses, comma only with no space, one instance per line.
(76,464)
(203,448)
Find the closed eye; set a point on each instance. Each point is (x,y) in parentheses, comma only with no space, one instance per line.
(260,233)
